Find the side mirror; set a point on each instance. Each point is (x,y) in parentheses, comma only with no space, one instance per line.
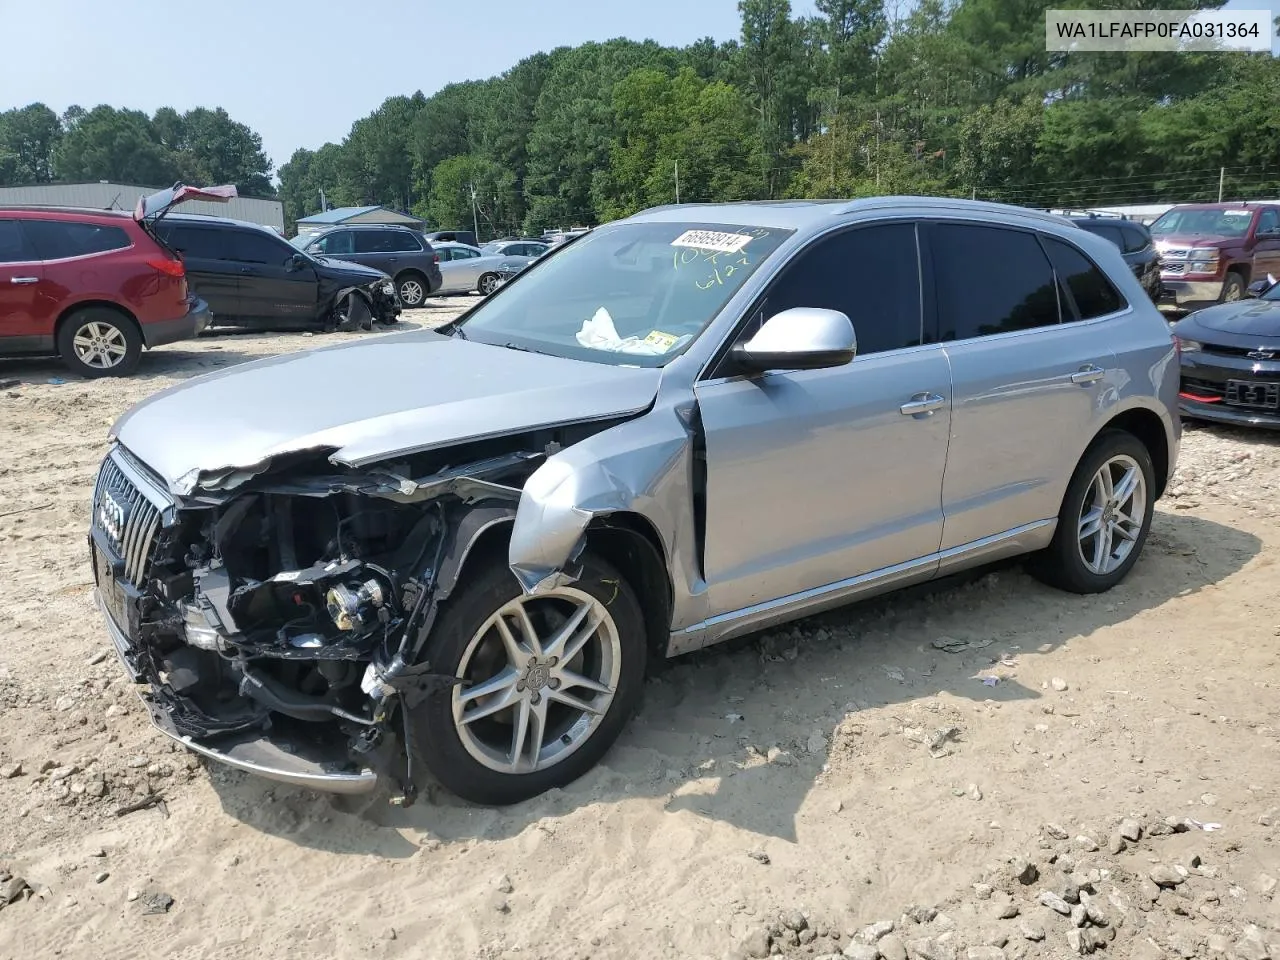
(297,261)
(801,338)
(1258,287)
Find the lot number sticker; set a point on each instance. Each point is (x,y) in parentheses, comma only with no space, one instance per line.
(711,240)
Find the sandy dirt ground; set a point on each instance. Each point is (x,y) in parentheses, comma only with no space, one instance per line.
(980,770)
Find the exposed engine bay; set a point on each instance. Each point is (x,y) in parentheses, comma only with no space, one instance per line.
(294,606)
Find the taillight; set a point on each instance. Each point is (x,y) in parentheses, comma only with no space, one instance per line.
(172,268)
(436,257)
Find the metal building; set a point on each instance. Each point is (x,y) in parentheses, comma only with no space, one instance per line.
(123,196)
(340,215)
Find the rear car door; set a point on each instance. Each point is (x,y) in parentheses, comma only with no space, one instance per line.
(377,249)
(815,477)
(461,273)
(272,285)
(25,323)
(1028,388)
(209,254)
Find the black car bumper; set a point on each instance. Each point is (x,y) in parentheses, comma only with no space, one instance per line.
(1230,389)
(187,327)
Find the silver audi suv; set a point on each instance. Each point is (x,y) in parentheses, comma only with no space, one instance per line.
(677,428)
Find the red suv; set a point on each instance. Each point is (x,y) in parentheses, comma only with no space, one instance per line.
(95,286)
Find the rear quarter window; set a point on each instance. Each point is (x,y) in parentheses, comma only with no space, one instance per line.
(63,239)
(201,243)
(1092,291)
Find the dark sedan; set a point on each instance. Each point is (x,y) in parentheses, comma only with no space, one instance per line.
(1231,361)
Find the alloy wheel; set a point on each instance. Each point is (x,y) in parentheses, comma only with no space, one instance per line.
(411,293)
(538,678)
(488,284)
(100,345)
(1112,516)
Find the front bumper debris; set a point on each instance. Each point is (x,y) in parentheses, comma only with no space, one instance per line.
(285,761)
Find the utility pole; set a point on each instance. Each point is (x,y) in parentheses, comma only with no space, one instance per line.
(1222,175)
(475,222)
(677,181)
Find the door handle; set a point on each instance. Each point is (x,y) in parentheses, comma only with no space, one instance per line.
(1088,374)
(24,279)
(923,405)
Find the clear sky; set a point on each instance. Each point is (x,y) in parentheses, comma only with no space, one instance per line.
(301,73)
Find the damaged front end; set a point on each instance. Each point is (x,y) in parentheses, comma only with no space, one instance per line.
(279,618)
(359,308)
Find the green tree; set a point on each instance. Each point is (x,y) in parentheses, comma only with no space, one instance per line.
(208,147)
(110,144)
(29,138)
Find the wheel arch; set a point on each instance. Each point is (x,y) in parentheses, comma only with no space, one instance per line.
(1149,429)
(631,544)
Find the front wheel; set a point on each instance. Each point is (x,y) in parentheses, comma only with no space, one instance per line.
(547,683)
(1233,288)
(1105,517)
(96,342)
(488,283)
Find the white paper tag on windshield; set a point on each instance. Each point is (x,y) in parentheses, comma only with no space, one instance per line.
(711,240)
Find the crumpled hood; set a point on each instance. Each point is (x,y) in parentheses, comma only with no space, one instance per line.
(370,400)
(1255,319)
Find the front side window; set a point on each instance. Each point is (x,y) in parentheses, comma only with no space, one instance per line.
(13,245)
(62,239)
(871,275)
(1269,222)
(632,294)
(334,244)
(1092,291)
(991,280)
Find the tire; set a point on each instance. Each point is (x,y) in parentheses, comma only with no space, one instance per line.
(1233,288)
(469,758)
(99,342)
(1063,563)
(488,283)
(413,289)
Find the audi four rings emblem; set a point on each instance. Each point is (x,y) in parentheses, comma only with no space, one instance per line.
(111,515)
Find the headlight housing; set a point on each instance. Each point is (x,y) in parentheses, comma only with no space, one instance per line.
(1202,260)
(1188,346)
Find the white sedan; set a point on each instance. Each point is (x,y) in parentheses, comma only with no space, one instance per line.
(464,268)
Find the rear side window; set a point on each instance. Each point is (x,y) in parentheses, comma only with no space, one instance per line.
(872,275)
(200,243)
(60,239)
(13,246)
(254,247)
(385,241)
(991,280)
(1092,291)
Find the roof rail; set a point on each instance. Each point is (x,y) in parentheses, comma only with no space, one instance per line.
(950,203)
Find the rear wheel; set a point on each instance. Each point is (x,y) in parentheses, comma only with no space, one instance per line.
(1105,517)
(548,683)
(488,283)
(97,342)
(412,288)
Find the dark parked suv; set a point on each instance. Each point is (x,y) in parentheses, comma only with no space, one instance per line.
(1136,246)
(403,254)
(251,276)
(95,286)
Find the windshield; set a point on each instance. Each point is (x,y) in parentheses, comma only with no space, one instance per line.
(630,293)
(302,239)
(1203,223)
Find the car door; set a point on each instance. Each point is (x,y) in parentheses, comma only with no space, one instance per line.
(1029,389)
(24,317)
(273,287)
(1266,253)
(377,249)
(461,273)
(209,254)
(818,477)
